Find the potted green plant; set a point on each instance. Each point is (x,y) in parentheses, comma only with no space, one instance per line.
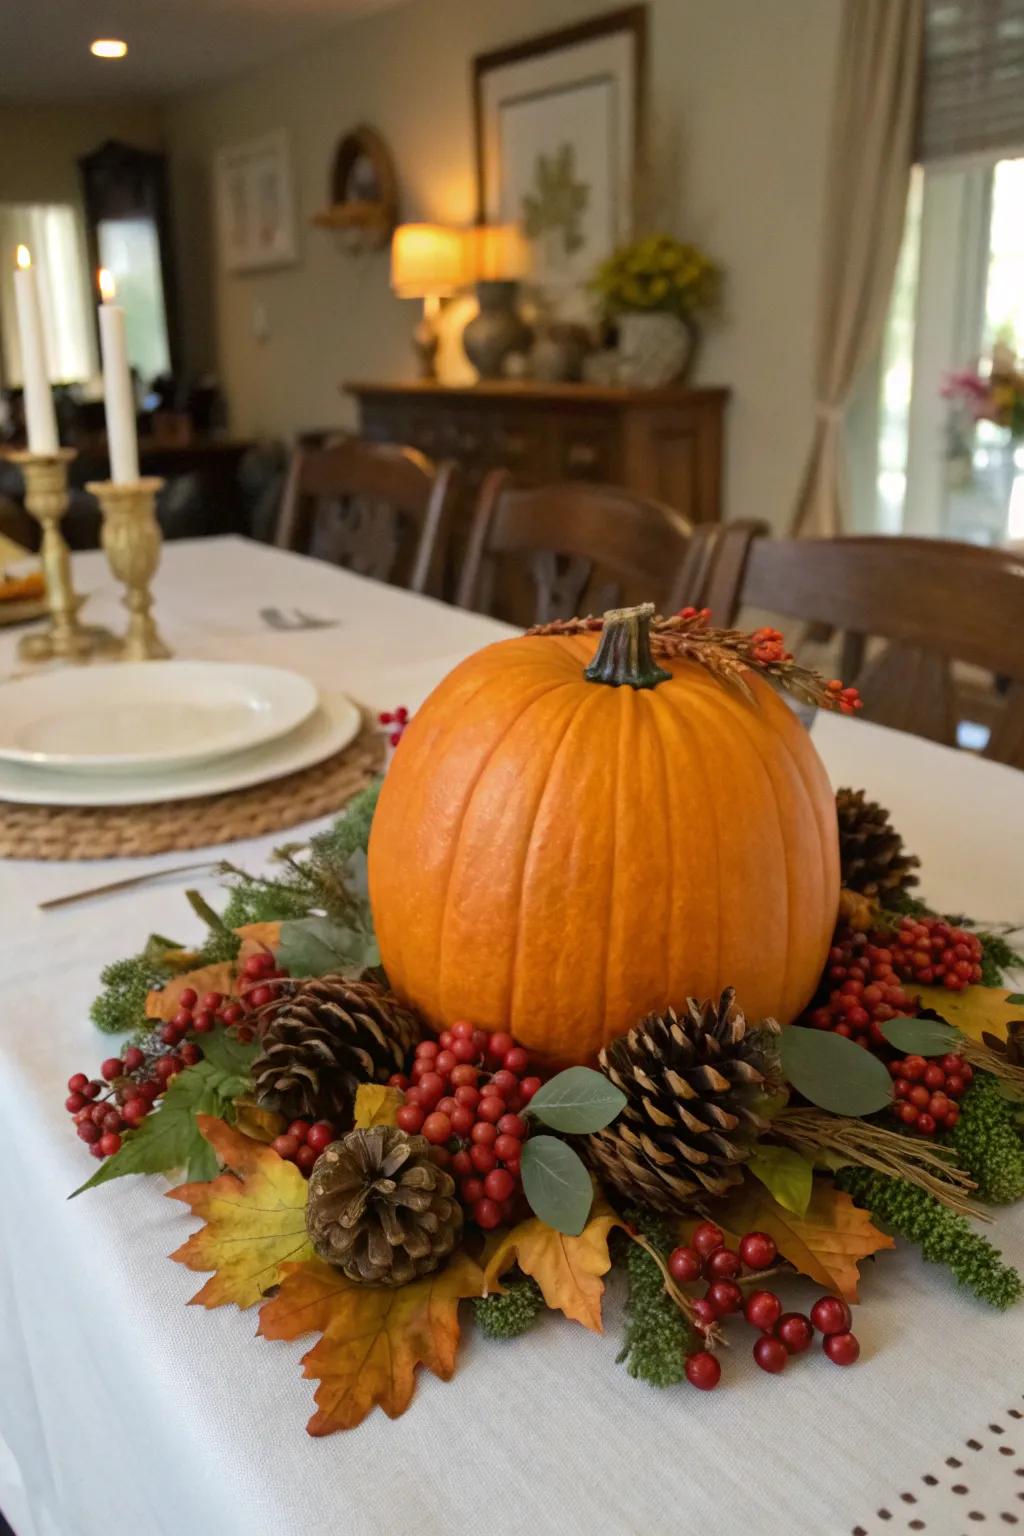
(654,289)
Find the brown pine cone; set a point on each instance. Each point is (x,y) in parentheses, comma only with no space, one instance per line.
(872,858)
(322,1038)
(380,1209)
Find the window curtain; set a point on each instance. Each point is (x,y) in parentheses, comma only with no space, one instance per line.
(870,156)
(53,236)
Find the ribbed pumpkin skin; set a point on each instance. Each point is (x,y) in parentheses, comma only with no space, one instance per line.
(557,857)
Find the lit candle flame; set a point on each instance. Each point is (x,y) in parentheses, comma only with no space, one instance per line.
(23,257)
(108,288)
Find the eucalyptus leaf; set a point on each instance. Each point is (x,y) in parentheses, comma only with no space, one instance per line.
(833,1073)
(556,1184)
(1015,997)
(786,1175)
(577,1101)
(314,946)
(922,1037)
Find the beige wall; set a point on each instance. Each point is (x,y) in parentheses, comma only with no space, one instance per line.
(739,99)
(40,144)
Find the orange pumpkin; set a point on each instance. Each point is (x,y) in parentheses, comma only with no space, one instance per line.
(556,855)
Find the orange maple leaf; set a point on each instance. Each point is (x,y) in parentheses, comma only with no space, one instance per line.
(827,1243)
(567,1269)
(255,1219)
(373,1338)
(257,937)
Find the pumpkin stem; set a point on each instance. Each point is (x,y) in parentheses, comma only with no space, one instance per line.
(624,653)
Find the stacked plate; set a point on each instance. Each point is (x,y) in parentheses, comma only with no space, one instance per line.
(145,732)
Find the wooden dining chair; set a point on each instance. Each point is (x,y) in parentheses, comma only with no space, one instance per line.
(538,553)
(378,509)
(931,602)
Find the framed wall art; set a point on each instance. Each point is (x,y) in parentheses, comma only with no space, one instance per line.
(558,137)
(255,205)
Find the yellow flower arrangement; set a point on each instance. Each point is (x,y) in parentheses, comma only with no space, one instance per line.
(657,273)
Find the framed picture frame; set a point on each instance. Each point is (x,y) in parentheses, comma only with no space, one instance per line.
(255,204)
(559,131)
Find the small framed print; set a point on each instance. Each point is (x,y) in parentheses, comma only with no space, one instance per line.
(256,205)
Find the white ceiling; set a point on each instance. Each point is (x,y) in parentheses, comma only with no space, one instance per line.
(173,45)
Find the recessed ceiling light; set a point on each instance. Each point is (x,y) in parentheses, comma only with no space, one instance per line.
(108,48)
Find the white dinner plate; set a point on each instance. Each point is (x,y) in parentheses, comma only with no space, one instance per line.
(333,724)
(137,717)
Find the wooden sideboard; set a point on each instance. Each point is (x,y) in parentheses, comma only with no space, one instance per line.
(665,443)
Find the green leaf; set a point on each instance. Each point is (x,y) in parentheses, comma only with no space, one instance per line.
(922,1037)
(168,1137)
(1015,997)
(577,1101)
(556,1184)
(314,946)
(786,1175)
(233,1057)
(833,1073)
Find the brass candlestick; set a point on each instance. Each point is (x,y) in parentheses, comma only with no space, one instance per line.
(131,540)
(46,498)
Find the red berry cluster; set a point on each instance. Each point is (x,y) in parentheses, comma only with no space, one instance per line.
(121,1098)
(927,1092)
(199,1015)
(394,722)
(846,700)
(865,989)
(467,1090)
(766,646)
(781,1333)
(931,952)
(699,617)
(303,1142)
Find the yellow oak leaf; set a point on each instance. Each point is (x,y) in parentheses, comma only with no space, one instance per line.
(257,1121)
(373,1338)
(827,1243)
(255,1219)
(567,1269)
(975,1009)
(163,1004)
(376,1105)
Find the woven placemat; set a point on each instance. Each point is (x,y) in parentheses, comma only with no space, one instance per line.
(111,832)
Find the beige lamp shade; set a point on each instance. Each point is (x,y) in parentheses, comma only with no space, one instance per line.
(427,260)
(497,253)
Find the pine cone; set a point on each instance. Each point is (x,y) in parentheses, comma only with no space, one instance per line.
(691,1083)
(380,1209)
(872,858)
(322,1038)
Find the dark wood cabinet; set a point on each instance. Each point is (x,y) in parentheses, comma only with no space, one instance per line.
(665,443)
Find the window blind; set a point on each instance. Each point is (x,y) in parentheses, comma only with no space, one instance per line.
(972,95)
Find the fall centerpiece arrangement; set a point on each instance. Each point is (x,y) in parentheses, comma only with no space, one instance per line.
(603,976)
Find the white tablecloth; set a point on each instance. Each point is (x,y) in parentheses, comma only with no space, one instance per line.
(123,1410)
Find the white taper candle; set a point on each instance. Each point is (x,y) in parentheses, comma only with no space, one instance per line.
(40,417)
(118,393)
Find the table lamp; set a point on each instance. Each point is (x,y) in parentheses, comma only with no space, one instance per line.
(428,262)
(498,255)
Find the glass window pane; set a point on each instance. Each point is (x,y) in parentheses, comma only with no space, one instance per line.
(130,250)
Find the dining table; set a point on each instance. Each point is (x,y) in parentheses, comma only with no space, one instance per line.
(124,1409)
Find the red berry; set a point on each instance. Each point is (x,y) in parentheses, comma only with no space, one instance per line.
(703,1370)
(484,1134)
(513,1125)
(758,1250)
(203,1022)
(722,1264)
(99,1113)
(909,1113)
(437,1129)
(166,1067)
(463,1050)
(487,1214)
(78,1083)
(88,1132)
(508,1147)
(704,1313)
(431,1088)
(770,1353)
(135,1111)
(190,1053)
(320,1135)
(830,1314)
(466,1094)
(133,1058)
(110,1143)
(462,1165)
(74,1102)
(841,1348)
(188,998)
(427,1049)
(447,1104)
(528,1087)
(706,1237)
(504,1083)
(286,1146)
(951,1063)
(516,1060)
(483,1158)
(952,1116)
(491,1109)
(465,1029)
(795,1332)
(111,1068)
(926,1124)
(445,1061)
(464,1076)
(471,1190)
(499,1044)
(212,1000)
(461,1118)
(499,1185)
(919,1096)
(954,1085)
(725,1296)
(305,1157)
(259,997)
(763,1310)
(684,1265)
(149,1090)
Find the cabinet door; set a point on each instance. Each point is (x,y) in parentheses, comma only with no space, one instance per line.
(586,448)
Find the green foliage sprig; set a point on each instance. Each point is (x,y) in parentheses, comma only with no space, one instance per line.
(987,1142)
(121,1006)
(942,1236)
(658,1337)
(507,1314)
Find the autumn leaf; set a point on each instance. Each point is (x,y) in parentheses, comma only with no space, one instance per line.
(257,938)
(975,1009)
(257,1121)
(827,1243)
(373,1338)
(376,1105)
(567,1269)
(163,1004)
(255,1219)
